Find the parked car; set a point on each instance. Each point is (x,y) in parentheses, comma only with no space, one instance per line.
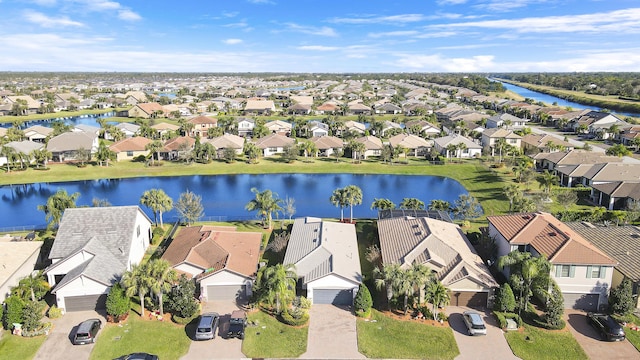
(237,323)
(138,356)
(87,332)
(475,324)
(207,326)
(608,328)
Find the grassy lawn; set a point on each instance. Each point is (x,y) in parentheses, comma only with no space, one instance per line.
(18,347)
(165,339)
(632,336)
(273,339)
(390,338)
(536,343)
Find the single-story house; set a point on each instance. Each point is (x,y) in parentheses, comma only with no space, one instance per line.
(227,141)
(273,144)
(327,145)
(18,258)
(93,247)
(373,146)
(147,110)
(163,128)
(279,127)
(466,148)
(490,138)
(417,145)
(22,147)
(616,195)
(66,145)
(130,148)
(326,260)
(444,248)
(222,260)
(582,271)
(37,133)
(259,107)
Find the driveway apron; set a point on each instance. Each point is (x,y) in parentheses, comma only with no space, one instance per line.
(332,334)
(589,339)
(59,346)
(490,346)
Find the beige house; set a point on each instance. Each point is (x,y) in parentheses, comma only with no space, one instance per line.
(373,146)
(259,107)
(491,137)
(147,111)
(201,124)
(226,141)
(130,148)
(279,127)
(417,145)
(273,144)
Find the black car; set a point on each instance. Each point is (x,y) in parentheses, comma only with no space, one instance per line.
(608,328)
(237,323)
(138,356)
(87,332)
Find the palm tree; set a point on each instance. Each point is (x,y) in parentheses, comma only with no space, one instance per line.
(154,147)
(41,156)
(158,201)
(56,205)
(266,203)
(104,154)
(438,295)
(275,285)
(547,180)
(412,204)
(526,268)
(387,278)
(33,286)
(382,204)
(451,148)
(252,151)
(441,205)
(511,191)
(500,145)
(420,275)
(357,150)
(162,277)
(353,196)
(339,199)
(137,281)
(10,154)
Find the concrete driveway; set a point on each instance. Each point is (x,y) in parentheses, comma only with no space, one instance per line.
(589,339)
(332,334)
(218,348)
(491,346)
(58,345)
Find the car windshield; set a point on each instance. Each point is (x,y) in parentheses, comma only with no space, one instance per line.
(82,335)
(204,329)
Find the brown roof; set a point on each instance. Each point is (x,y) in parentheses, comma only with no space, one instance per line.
(620,189)
(327,142)
(149,108)
(549,236)
(273,140)
(174,144)
(327,107)
(215,248)
(540,141)
(575,157)
(137,143)
(370,142)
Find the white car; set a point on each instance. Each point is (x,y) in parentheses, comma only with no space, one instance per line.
(475,324)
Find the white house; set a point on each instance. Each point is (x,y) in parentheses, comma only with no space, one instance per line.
(92,249)
(325,255)
(465,147)
(583,272)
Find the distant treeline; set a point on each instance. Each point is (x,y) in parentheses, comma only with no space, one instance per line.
(624,85)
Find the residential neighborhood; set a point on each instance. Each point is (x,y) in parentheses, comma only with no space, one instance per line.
(544,235)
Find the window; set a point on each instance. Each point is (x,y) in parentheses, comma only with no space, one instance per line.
(565,271)
(138,230)
(129,153)
(272,149)
(513,141)
(596,272)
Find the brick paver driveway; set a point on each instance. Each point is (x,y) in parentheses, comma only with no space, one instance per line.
(58,344)
(590,341)
(332,334)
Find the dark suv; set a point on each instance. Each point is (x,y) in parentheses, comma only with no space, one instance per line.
(606,326)
(237,323)
(87,332)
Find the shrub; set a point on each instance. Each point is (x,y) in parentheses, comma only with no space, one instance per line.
(505,300)
(43,329)
(442,316)
(294,317)
(181,300)
(301,302)
(14,314)
(426,312)
(502,321)
(158,234)
(184,320)
(54,312)
(118,303)
(32,314)
(363,301)
(621,299)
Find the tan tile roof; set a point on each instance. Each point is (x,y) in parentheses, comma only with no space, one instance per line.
(174,144)
(541,141)
(549,236)
(216,248)
(149,108)
(136,143)
(226,141)
(575,157)
(370,142)
(165,126)
(203,120)
(409,141)
(273,140)
(327,142)
(327,107)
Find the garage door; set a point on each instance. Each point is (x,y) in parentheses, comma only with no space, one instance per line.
(472,299)
(86,302)
(588,302)
(226,292)
(333,296)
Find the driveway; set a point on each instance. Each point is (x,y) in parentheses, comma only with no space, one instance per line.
(332,334)
(218,348)
(58,344)
(491,346)
(589,339)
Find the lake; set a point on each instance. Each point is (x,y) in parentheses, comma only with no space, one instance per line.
(89,119)
(550,99)
(225,196)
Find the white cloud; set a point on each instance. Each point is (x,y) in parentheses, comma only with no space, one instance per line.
(393,19)
(100,5)
(50,22)
(507,5)
(311,30)
(261,2)
(628,19)
(438,62)
(437,34)
(128,15)
(451,2)
(393,33)
(317,48)
(232,41)
(44,2)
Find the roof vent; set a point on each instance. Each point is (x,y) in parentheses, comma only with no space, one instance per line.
(553,233)
(526,217)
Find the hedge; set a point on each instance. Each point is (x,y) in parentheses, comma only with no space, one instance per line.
(288,319)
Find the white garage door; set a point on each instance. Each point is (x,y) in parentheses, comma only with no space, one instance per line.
(86,302)
(588,302)
(226,292)
(333,296)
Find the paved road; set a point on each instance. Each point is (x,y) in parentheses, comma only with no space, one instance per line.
(492,346)
(58,344)
(218,348)
(590,341)
(332,334)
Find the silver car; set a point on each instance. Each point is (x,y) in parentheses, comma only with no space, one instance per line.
(475,324)
(207,326)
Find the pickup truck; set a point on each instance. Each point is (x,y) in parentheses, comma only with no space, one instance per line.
(237,323)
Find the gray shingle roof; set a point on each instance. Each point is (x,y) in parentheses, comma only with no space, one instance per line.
(318,248)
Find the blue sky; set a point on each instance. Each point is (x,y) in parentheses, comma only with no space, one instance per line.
(320,36)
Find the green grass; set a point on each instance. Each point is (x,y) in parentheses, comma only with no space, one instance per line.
(18,347)
(165,339)
(541,344)
(634,336)
(275,340)
(389,338)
